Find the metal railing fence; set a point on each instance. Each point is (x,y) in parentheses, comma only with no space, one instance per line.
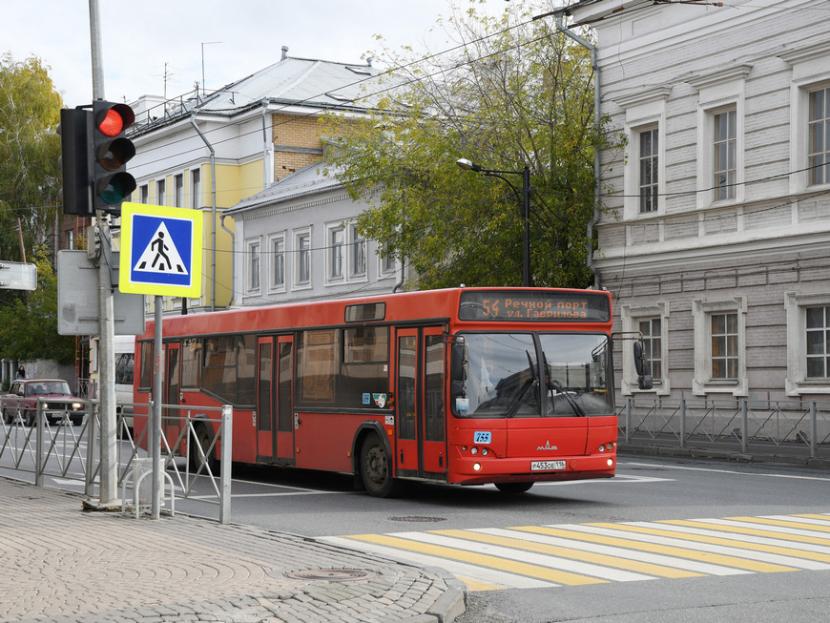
(59,441)
(796,427)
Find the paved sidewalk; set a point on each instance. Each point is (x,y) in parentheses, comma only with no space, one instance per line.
(60,564)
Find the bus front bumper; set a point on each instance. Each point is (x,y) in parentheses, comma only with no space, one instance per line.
(483,470)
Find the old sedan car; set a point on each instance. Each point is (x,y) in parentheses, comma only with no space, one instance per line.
(57,399)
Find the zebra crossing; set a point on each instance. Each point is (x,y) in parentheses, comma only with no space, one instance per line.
(597,553)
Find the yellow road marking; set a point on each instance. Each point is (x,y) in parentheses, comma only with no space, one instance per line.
(798,538)
(784,523)
(483,560)
(474,585)
(567,552)
(679,552)
(715,540)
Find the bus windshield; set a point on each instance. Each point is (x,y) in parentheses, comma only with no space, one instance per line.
(503,376)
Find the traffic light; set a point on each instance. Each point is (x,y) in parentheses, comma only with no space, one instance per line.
(111,150)
(75,161)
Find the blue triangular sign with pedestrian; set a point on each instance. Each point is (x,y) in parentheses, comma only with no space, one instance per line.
(161,255)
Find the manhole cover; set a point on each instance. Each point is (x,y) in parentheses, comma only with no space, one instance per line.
(332,575)
(418,518)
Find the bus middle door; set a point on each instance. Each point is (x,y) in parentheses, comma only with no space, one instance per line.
(421,420)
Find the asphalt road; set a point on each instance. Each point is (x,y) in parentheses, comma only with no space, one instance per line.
(571,551)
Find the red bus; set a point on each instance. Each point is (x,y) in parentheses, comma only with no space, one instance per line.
(466,385)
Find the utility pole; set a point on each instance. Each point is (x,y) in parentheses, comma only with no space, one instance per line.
(108,487)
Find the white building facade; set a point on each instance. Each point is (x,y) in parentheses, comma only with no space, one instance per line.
(298,240)
(715,230)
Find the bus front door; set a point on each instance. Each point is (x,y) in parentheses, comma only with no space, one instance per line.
(266,439)
(171,418)
(421,412)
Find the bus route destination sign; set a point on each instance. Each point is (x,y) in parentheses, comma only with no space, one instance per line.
(161,251)
(524,306)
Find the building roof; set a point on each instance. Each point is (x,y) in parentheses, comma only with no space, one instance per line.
(290,81)
(312,179)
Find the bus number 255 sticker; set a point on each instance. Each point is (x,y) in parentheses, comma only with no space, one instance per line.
(482,436)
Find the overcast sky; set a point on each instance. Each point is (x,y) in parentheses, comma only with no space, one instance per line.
(140,37)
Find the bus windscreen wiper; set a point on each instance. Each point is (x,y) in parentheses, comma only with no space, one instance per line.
(513,407)
(557,386)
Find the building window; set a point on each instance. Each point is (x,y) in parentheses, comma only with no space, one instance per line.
(160,192)
(302,245)
(337,237)
(252,281)
(652,346)
(651,322)
(144,193)
(808,343)
(725,154)
(387,264)
(724,346)
(358,256)
(178,188)
(648,170)
(720,346)
(278,262)
(818,342)
(195,188)
(818,150)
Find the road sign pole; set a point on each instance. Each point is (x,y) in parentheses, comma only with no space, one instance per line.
(108,489)
(155,419)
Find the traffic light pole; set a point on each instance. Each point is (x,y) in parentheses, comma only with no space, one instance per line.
(108,488)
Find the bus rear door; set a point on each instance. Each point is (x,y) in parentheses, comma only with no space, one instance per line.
(275,402)
(421,412)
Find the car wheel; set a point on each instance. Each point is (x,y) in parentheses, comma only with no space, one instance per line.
(29,418)
(513,488)
(376,469)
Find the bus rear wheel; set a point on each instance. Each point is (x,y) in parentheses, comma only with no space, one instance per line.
(203,438)
(375,468)
(513,487)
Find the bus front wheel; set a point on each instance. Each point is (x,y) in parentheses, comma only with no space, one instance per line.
(375,468)
(513,487)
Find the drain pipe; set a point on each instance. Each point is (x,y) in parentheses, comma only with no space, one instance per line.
(213,212)
(560,26)
(232,235)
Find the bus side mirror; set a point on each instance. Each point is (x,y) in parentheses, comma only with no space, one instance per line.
(644,380)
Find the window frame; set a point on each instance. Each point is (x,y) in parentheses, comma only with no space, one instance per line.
(161,191)
(178,190)
(643,111)
(272,262)
(703,382)
(797,382)
(196,188)
(631,316)
(297,283)
(355,239)
(253,255)
(144,193)
(333,251)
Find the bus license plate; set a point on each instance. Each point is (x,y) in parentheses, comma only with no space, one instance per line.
(546,466)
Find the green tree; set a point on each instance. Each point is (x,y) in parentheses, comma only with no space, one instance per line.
(29,154)
(28,324)
(29,196)
(522,96)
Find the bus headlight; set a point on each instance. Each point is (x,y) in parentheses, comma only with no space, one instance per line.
(610,462)
(476,467)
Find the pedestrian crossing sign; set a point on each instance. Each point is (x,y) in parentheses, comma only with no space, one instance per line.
(161,251)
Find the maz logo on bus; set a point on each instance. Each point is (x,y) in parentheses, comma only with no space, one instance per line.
(482,437)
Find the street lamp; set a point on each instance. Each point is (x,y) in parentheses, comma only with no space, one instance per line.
(524,200)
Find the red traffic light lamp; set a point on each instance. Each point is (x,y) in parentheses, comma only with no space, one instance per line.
(111,151)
